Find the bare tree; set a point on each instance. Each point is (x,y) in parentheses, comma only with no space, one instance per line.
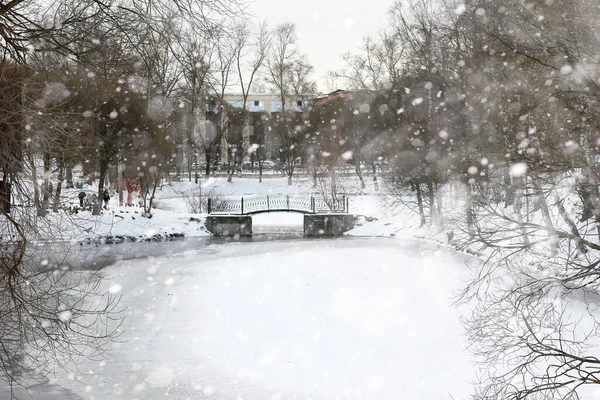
(226,48)
(196,59)
(280,62)
(50,317)
(289,73)
(65,99)
(375,66)
(257,45)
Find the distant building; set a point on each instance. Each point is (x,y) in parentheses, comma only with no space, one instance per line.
(265,128)
(270,102)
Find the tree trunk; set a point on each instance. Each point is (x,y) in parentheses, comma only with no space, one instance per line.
(101,178)
(69,171)
(231,167)
(574,231)
(34,181)
(46,186)
(552,237)
(440,207)
(587,188)
(518,206)
(267,141)
(154,180)
(245,137)
(330,193)
(417,186)
(224,145)
(432,207)
(143,192)
(58,186)
(375,182)
(290,169)
(190,159)
(510,191)
(199,134)
(208,160)
(358,170)
(470,213)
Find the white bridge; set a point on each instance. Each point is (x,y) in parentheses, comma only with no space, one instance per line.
(290,203)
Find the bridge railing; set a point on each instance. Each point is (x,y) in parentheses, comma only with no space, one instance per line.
(255,204)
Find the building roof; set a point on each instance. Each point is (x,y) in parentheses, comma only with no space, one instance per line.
(308,95)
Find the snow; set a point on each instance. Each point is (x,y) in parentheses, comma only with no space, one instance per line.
(172,214)
(357,317)
(312,319)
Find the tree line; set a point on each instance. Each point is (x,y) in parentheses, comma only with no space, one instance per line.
(138,88)
(111,86)
(484,111)
(487,113)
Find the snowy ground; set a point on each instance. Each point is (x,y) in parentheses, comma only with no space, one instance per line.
(310,319)
(173,215)
(346,318)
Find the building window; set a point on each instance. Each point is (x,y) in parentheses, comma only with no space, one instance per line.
(299,103)
(256,103)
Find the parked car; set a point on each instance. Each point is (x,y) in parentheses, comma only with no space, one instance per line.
(267,164)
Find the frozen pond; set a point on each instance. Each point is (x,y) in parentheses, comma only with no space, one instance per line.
(91,256)
(344,318)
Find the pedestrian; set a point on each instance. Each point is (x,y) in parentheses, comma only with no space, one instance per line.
(81,197)
(106,198)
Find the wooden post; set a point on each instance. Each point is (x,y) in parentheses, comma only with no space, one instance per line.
(288,202)
(268,206)
(242,205)
(209,205)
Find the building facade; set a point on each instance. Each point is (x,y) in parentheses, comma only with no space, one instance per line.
(268,130)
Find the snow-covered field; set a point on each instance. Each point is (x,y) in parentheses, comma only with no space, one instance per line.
(309,319)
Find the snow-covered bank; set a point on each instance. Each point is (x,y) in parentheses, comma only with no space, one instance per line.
(174,201)
(127,223)
(117,224)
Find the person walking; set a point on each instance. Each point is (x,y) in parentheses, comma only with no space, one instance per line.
(106,198)
(81,198)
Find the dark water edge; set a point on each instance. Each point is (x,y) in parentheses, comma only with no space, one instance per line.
(43,389)
(82,256)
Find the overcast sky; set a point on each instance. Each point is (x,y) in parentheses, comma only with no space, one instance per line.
(326,28)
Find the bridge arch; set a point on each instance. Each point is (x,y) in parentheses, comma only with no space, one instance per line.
(279,211)
(274,203)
